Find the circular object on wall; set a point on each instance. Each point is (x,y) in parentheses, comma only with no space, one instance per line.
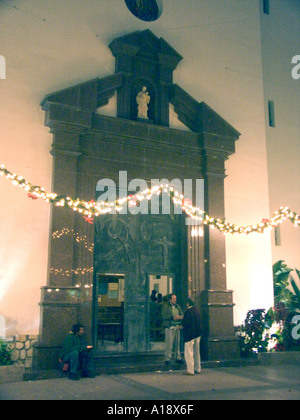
(147,10)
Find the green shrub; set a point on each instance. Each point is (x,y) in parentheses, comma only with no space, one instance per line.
(251,333)
(5,353)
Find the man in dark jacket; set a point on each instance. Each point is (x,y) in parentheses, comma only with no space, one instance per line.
(191,324)
(75,350)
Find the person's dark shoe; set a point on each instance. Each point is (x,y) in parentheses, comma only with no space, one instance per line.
(74,376)
(180,361)
(88,374)
(167,362)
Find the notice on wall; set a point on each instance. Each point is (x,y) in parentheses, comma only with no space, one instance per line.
(102,288)
(121,290)
(112,294)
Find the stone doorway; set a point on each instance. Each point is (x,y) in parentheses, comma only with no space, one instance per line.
(159,287)
(134,245)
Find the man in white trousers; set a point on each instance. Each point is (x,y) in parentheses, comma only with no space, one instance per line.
(191,325)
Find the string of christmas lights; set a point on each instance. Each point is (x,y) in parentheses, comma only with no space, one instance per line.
(91,209)
(69,273)
(80,239)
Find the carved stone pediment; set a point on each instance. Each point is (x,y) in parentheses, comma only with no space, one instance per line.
(142,59)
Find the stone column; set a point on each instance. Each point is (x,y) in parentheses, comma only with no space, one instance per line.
(62,297)
(218,140)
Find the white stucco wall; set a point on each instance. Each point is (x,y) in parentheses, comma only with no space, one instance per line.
(283,140)
(51,45)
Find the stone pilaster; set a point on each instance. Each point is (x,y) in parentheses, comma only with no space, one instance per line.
(218,140)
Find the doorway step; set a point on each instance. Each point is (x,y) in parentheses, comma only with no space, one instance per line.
(133,363)
(113,364)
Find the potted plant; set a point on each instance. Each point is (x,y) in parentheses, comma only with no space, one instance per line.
(8,371)
(287,304)
(5,354)
(251,334)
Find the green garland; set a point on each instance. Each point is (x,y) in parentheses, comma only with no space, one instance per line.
(91,209)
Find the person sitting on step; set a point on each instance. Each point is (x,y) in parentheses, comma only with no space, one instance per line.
(77,352)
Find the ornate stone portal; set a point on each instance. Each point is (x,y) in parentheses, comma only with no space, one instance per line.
(87,147)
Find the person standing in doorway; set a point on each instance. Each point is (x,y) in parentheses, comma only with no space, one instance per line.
(153,313)
(172,315)
(192,331)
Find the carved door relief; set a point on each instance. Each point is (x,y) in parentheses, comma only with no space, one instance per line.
(137,245)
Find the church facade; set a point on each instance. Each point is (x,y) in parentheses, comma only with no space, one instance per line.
(220,113)
(131,250)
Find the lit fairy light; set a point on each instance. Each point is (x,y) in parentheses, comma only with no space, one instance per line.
(91,209)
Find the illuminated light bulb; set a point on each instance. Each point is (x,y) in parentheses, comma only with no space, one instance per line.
(102,208)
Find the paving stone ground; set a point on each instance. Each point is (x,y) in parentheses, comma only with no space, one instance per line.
(279,382)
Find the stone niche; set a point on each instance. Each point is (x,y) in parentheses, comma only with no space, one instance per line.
(87,147)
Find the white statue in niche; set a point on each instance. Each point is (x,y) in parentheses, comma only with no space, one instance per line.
(143,100)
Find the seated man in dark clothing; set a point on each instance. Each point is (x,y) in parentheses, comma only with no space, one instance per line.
(75,351)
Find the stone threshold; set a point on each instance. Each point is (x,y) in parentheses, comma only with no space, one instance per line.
(118,364)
